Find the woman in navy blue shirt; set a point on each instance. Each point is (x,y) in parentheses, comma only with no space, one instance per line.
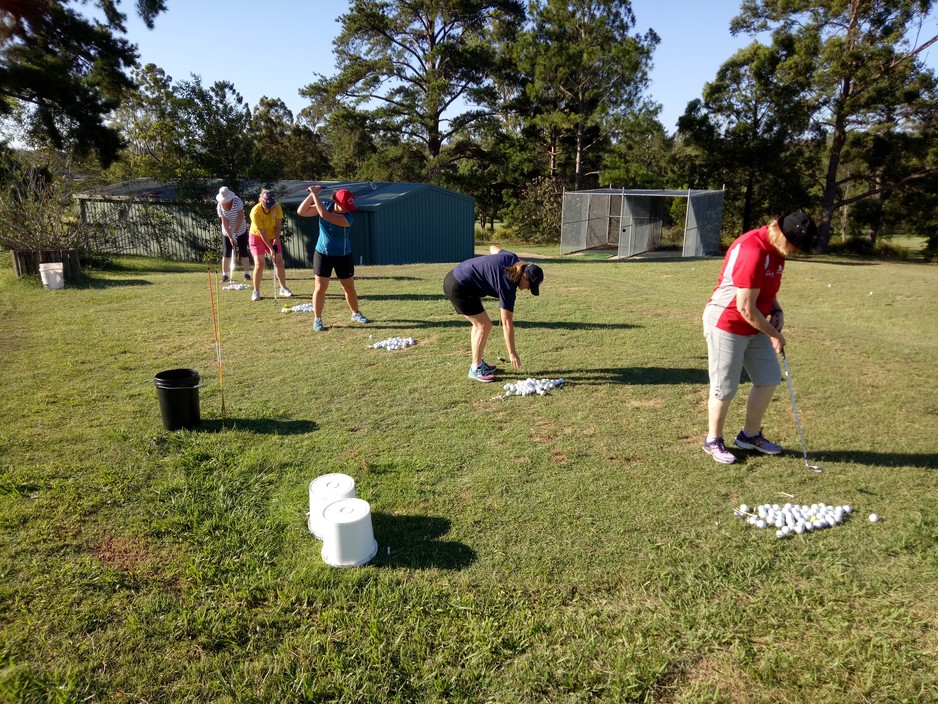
(499,275)
(333,250)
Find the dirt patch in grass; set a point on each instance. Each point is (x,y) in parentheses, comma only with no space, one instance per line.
(122,554)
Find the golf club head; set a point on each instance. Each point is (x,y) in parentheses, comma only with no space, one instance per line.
(813,467)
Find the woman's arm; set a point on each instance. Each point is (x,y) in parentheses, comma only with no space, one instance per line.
(313,207)
(746,305)
(508,328)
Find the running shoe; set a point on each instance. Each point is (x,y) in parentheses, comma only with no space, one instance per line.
(717,450)
(318,326)
(756,442)
(285,292)
(255,295)
(491,369)
(224,278)
(359,318)
(481,374)
(247,276)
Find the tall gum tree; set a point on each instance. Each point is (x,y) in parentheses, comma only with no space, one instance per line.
(581,68)
(420,69)
(865,73)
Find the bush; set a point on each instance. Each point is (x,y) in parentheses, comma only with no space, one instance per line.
(535,214)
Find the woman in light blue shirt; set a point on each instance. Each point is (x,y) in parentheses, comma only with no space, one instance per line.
(333,250)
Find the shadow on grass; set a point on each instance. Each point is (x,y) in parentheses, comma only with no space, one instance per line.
(402,297)
(457,322)
(632,375)
(260,426)
(922,460)
(414,543)
(91,282)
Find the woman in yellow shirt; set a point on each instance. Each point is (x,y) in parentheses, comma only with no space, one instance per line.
(266,224)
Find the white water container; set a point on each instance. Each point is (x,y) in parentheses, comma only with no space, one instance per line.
(323,491)
(348,539)
(53,275)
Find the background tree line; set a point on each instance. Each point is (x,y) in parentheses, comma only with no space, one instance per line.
(514,102)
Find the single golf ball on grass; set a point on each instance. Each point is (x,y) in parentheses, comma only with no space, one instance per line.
(874,518)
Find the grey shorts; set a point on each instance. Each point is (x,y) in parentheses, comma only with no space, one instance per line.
(729,354)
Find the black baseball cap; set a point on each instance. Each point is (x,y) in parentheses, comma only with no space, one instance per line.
(535,276)
(799,229)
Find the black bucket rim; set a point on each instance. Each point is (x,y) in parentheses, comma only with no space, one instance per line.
(180,378)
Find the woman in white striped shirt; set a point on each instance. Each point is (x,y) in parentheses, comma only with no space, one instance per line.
(234,228)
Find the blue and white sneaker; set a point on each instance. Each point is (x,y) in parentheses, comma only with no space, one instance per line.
(255,295)
(318,326)
(359,318)
(481,374)
(491,369)
(756,442)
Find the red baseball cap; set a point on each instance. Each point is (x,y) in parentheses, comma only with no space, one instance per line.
(345,198)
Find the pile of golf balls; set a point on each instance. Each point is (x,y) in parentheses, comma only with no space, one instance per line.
(234,287)
(793,518)
(301,308)
(528,387)
(395,343)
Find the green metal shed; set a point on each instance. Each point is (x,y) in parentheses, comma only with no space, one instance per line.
(394,223)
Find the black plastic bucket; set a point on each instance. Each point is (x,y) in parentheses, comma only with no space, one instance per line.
(178,391)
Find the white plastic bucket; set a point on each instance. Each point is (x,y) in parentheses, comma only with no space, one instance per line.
(323,491)
(53,275)
(348,539)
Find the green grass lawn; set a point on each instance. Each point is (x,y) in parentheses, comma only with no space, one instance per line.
(568,548)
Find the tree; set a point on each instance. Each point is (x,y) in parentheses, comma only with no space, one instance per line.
(70,71)
(864,71)
(216,123)
(751,133)
(418,64)
(152,128)
(640,154)
(581,69)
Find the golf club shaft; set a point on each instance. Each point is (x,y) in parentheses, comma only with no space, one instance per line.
(794,406)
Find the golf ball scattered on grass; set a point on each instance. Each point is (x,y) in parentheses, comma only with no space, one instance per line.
(528,387)
(299,308)
(395,343)
(794,518)
(873,518)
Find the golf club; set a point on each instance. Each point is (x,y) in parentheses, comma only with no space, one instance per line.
(804,448)
(231,260)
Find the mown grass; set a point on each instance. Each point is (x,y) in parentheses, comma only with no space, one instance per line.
(576,547)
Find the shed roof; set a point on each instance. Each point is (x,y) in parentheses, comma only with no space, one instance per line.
(368,195)
(640,192)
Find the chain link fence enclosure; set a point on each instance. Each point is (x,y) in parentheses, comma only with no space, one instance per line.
(630,221)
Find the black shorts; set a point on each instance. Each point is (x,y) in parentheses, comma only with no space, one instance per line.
(242,245)
(323,265)
(463,301)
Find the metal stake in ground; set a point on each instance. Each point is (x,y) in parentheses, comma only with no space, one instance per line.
(804,448)
(215,326)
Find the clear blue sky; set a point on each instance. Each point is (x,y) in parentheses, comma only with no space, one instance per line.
(277,48)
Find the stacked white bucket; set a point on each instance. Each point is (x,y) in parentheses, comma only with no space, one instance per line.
(341,521)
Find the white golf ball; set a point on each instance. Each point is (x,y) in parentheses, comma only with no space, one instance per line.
(873,518)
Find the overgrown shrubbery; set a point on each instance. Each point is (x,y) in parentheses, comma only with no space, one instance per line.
(38,212)
(535,214)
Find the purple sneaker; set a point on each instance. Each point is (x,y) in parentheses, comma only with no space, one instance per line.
(717,450)
(491,369)
(756,442)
